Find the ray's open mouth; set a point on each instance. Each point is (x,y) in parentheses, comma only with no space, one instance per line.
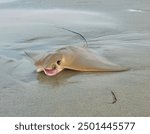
(50,72)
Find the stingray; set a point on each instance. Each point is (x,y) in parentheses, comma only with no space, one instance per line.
(78,58)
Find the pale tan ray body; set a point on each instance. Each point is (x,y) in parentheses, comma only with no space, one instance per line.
(82,59)
(74,58)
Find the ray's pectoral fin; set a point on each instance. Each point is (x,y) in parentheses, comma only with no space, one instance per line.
(36,58)
(35,55)
(101,65)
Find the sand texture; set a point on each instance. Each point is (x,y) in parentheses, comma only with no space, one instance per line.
(119,31)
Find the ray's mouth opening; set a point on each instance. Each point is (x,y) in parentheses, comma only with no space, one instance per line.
(51,72)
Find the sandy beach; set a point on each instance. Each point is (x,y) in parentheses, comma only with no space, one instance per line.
(118,31)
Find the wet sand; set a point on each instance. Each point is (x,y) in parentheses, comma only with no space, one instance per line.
(121,34)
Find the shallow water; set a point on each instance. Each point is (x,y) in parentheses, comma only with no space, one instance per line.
(118,30)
